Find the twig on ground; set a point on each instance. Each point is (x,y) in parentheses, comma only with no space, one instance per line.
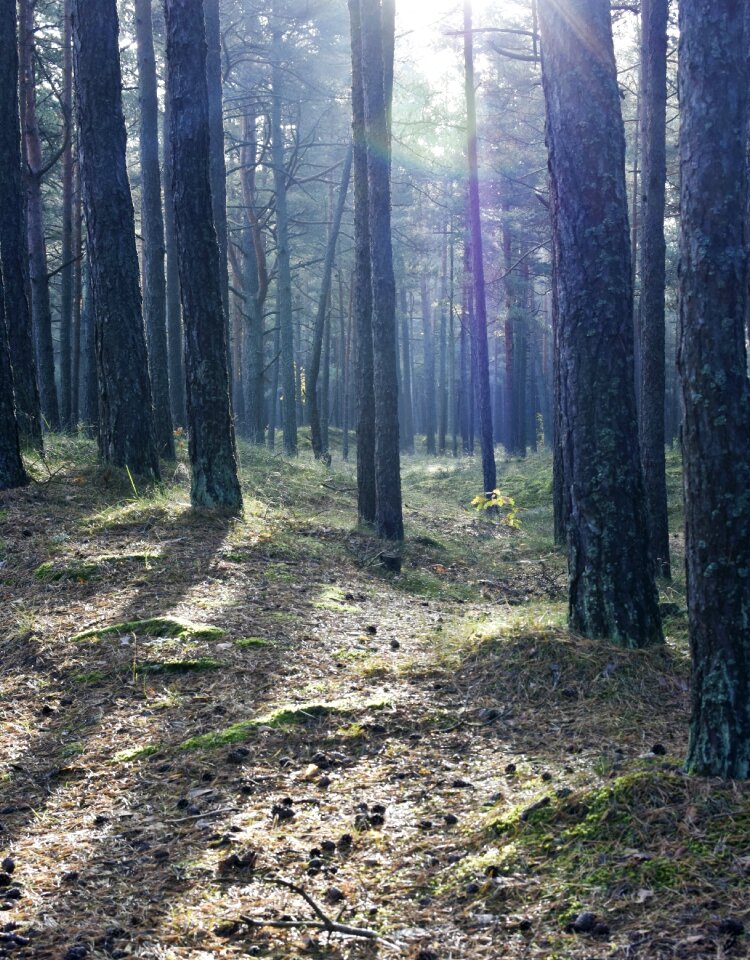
(323,923)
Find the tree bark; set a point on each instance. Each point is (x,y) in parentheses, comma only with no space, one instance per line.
(218,171)
(284,279)
(442,405)
(653,100)
(13,237)
(126,430)
(75,361)
(407,414)
(175,339)
(41,312)
(255,288)
(377,73)
(481,364)
(612,593)
(318,445)
(362,293)
(89,388)
(152,225)
(66,273)
(210,429)
(428,367)
(12,472)
(715,389)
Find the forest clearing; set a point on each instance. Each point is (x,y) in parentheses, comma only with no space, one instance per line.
(496,776)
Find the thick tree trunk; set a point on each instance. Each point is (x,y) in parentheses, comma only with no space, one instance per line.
(715,388)
(218,169)
(175,339)
(66,273)
(89,388)
(152,225)
(428,367)
(653,101)
(481,365)
(612,590)
(377,74)
(210,429)
(126,429)
(560,491)
(41,312)
(362,292)
(318,441)
(12,473)
(284,278)
(13,237)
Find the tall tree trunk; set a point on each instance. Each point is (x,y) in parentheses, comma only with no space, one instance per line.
(508,331)
(442,411)
(12,472)
(560,492)
(318,444)
(347,376)
(41,312)
(13,237)
(273,404)
(654,14)
(428,367)
(66,273)
(715,389)
(464,375)
(284,279)
(152,224)
(175,339)
(126,428)
(89,388)
(481,363)
(218,169)
(362,292)
(612,593)
(255,288)
(75,361)
(407,414)
(210,429)
(377,80)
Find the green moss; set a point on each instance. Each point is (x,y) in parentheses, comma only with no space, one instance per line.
(89,678)
(334,598)
(250,642)
(156,627)
(281,718)
(51,573)
(136,753)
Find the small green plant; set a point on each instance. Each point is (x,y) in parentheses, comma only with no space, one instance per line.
(499,503)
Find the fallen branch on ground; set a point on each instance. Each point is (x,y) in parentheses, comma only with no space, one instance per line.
(323,923)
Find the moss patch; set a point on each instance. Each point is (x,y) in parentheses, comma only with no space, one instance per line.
(253,642)
(136,753)
(171,627)
(50,572)
(281,718)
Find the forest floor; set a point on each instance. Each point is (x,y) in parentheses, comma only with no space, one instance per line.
(430,755)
